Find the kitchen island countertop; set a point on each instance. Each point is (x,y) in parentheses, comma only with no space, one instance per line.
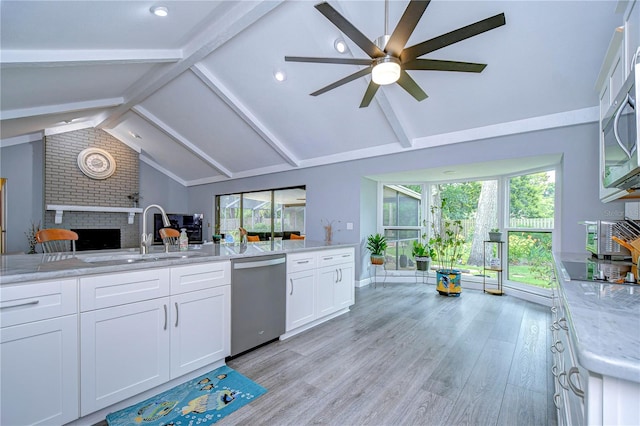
(604,320)
(19,268)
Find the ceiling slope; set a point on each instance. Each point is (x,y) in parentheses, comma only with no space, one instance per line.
(195,92)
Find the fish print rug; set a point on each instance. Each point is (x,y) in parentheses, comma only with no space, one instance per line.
(201,401)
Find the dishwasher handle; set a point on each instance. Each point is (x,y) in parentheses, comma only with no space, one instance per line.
(258,263)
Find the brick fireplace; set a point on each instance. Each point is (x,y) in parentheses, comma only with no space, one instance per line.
(65,184)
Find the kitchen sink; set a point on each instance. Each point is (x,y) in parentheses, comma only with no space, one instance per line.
(136,257)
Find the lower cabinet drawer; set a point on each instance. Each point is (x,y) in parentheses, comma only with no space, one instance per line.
(200,276)
(103,291)
(335,257)
(36,301)
(301,262)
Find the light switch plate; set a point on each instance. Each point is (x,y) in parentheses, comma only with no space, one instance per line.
(349,226)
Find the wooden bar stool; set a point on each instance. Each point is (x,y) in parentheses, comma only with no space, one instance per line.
(57,240)
(170,237)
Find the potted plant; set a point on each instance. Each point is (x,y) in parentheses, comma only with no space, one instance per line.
(422,253)
(377,244)
(446,240)
(495,235)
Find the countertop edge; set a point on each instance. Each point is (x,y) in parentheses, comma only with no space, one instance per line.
(74,267)
(617,364)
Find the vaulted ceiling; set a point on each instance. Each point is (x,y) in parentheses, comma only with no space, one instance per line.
(194,92)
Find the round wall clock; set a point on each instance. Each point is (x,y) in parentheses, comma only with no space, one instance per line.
(96,163)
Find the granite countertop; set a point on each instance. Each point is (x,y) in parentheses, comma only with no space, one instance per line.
(604,321)
(20,268)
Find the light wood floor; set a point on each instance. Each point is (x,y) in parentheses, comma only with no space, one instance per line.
(406,355)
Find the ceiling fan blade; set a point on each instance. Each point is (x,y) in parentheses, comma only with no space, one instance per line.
(349,30)
(405,27)
(369,94)
(437,65)
(411,86)
(347,61)
(411,53)
(345,80)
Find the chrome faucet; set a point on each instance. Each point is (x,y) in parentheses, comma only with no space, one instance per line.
(147,239)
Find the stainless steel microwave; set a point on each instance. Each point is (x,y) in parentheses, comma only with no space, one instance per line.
(620,137)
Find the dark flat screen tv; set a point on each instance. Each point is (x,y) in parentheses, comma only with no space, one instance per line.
(191,222)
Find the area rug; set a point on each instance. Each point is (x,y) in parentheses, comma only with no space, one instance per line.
(201,401)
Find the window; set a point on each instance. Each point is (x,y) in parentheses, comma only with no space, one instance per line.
(270,211)
(531,212)
(475,204)
(480,205)
(401,217)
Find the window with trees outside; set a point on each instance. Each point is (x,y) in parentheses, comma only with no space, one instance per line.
(270,211)
(480,206)
(401,219)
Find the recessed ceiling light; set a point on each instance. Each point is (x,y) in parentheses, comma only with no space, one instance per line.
(340,45)
(280,75)
(160,11)
(449,172)
(135,135)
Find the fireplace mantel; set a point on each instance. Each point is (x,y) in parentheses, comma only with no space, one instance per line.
(60,209)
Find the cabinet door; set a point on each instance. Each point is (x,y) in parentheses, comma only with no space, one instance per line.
(200,329)
(300,298)
(344,291)
(325,301)
(124,351)
(39,377)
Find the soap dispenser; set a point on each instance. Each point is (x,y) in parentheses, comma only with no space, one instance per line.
(184,240)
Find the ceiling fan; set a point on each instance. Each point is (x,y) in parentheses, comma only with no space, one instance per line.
(390,59)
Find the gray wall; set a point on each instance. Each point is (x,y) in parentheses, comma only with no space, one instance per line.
(158,188)
(339,192)
(23,166)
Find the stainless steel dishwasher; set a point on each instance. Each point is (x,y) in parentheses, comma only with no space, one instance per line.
(258,301)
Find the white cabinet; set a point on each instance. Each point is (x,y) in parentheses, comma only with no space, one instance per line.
(124,335)
(301,285)
(39,353)
(327,278)
(319,284)
(632,31)
(124,351)
(344,289)
(569,376)
(335,280)
(615,69)
(200,320)
(143,328)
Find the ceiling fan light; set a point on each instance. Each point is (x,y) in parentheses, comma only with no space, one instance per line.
(386,71)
